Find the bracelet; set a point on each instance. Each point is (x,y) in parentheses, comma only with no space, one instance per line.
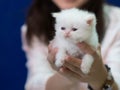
(109,81)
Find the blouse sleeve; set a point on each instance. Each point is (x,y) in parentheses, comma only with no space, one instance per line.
(23,37)
(113,57)
(39,69)
(111,43)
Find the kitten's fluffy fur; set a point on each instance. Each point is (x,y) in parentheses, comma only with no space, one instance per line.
(74,26)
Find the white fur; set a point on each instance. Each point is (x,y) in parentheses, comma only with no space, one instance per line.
(75,18)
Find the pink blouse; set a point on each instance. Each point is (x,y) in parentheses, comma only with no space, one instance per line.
(36,54)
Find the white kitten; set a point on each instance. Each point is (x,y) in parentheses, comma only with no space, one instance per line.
(74,26)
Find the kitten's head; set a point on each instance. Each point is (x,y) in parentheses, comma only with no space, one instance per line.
(74,24)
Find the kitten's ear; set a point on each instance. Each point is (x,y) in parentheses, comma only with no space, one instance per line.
(91,19)
(55,15)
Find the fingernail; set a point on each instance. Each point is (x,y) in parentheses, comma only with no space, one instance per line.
(80,44)
(67,58)
(61,70)
(56,49)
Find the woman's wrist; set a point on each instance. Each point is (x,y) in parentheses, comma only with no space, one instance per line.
(114,86)
(108,84)
(98,85)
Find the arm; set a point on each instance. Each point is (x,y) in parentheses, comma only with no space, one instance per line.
(37,64)
(97,76)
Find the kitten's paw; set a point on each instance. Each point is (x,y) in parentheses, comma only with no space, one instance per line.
(87,62)
(59,63)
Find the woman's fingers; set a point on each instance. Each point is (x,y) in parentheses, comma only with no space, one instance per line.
(73,68)
(74,65)
(69,74)
(51,57)
(74,61)
(51,54)
(49,47)
(87,49)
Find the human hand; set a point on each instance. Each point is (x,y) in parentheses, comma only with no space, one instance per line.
(51,56)
(97,75)
(71,68)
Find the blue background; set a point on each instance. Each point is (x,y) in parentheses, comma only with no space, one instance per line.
(12,59)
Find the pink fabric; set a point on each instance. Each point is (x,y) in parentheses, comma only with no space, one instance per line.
(111,43)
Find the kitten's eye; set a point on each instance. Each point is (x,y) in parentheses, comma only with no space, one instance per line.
(63,28)
(74,29)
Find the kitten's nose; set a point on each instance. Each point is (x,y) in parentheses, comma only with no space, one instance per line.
(67,33)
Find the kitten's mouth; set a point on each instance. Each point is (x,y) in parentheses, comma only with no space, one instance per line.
(67,36)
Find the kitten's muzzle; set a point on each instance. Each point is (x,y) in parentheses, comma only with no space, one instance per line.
(67,34)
